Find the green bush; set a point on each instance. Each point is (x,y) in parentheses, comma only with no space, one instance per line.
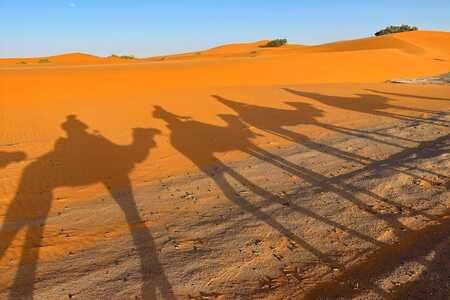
(43,61)
(122,56)
(395,29)
(275,43)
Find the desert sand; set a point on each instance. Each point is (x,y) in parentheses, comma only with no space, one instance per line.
(238,172)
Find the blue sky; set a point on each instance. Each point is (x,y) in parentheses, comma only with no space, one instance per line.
(145,28)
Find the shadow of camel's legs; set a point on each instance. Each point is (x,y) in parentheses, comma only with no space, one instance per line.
(414,109)
(29,211)
(309,143)
(375,132)
(442,123)
(23,285)
(231,194)
(274,198)
(303,140)
(359,135)
(6,238)
(341,189)
(152,271)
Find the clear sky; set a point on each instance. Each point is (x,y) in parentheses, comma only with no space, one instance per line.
(145,28)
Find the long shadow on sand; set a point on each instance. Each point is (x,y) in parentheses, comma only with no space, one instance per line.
(273,120)
(408,95)
(432,283)
(200,141)
(370,104)
(81,158)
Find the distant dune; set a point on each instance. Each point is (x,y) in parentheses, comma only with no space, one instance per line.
(410,54)
(74,58)
(418,42)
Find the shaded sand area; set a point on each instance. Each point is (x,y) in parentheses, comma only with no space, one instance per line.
(232,173)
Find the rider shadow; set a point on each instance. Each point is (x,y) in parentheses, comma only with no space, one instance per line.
(81,158)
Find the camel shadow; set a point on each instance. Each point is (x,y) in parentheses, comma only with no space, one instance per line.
(199,142)
(372,104)
(81,158)
(274,121)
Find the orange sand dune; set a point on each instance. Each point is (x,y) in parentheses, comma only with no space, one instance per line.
(63,59)
(57,118)
(373,43)
(366,60)
(74,58)
(233,51)
(419,42)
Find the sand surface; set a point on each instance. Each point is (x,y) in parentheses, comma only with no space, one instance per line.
(231,173)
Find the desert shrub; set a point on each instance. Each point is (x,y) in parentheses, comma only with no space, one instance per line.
(395,29)
(22,62)
(127,57)
(122,56)
(43,61)
(276,43)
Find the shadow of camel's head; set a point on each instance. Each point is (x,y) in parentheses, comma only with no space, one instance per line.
(160,113)
(143,141)
(230,103)
(145,135)
(10,157)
